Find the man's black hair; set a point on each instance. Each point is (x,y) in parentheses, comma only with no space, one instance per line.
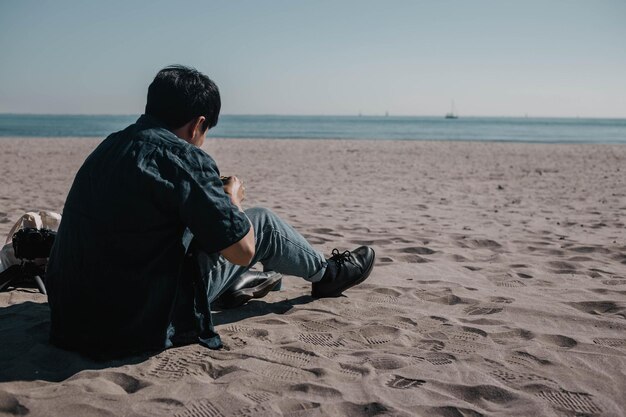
(179,94)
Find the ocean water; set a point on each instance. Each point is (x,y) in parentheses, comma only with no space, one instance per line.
(503,129)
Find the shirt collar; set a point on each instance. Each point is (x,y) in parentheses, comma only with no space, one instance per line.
(150,122)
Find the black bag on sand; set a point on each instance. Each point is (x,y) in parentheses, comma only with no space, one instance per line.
(30,246)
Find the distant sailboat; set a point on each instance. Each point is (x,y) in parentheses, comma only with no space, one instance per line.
(452,114)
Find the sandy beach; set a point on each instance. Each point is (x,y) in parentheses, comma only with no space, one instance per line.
(499,289)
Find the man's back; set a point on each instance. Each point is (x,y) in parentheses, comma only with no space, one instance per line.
(116,268)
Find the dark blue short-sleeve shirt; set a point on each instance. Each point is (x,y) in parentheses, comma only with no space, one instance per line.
(116,269)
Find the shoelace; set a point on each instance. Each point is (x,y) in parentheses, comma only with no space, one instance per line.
(340,258)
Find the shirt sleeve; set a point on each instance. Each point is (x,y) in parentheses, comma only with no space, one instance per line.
(204,207)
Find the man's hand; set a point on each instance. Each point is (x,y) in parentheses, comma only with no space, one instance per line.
(242,252)
(234,187)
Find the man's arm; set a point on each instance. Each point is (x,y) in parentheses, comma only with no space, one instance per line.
(242,252)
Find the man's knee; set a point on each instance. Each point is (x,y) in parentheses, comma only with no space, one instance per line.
(260,216)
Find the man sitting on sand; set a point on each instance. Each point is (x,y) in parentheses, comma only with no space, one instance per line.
(151,236)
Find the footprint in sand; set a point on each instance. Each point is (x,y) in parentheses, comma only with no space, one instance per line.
(455,333)
(514,283)
(501,300)
(385,362)
(243,332)
(614,282)
(601,271)
(465,348)
(128,383)
(558,340)
(317,326)
(413,259)
(413,254)
(378,335)
(326,231)
(580,259)
(434,358)
(251,411)
(601,308)
(419,250)
(448,411)
(400,382)
(272,322)
(620,257)
(480,394)
(419,324)
(387,291)
(578,402)
(373,408)
(384,260)
(200,408)
(526,360)
(258,397)
(385,310)
(373,335)
(290,356)
(478,243)
(514,378)
(441,296)
(610,342)
(404,323)
(439,359)
(388,296)
(353,371)
(315,391)
(589,249)
(562,267)
(326,340)
(158,406)
(465,340)
(458,258)
(472,268)
(234,342)
(593,274)
(174,364)
(295,408)
(480,309)
(504,338)
(430,345)
(275,371)
(382,299)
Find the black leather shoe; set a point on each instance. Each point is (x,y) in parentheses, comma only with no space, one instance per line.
(248,286)
(344,270)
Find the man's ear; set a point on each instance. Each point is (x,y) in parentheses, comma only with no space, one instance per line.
(197,125)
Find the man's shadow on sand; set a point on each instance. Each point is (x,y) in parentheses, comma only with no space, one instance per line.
(27,355)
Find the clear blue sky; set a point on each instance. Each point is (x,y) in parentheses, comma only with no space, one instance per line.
(543,58)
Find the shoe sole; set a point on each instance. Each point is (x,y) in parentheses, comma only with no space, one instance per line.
(240,297)
(365,275)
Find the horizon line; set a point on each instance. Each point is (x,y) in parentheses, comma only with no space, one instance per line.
(525,116)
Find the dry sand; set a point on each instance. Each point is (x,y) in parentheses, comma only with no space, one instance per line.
(500,289)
